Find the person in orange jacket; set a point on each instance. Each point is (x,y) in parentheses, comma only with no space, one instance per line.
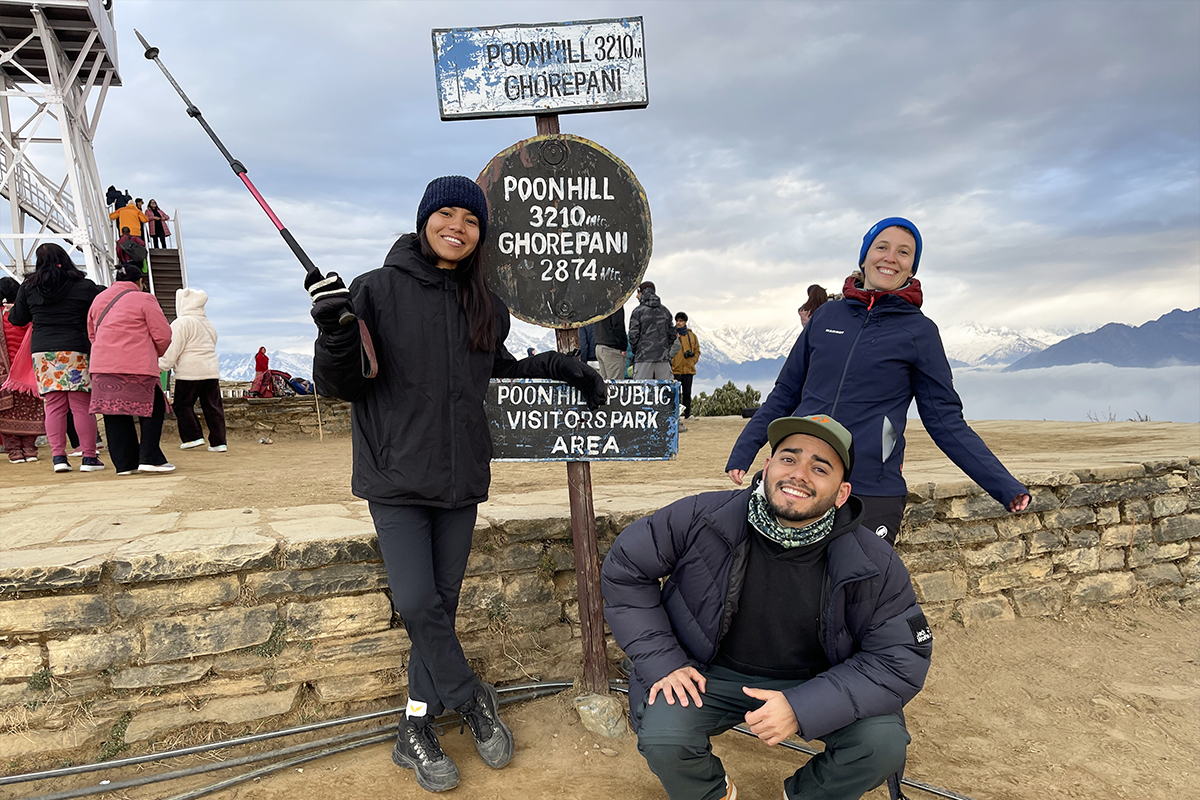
(129,217)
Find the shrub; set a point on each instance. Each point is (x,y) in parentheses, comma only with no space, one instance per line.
(725,400)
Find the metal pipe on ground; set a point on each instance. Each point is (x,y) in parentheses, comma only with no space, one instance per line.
(323,747)
(258,737)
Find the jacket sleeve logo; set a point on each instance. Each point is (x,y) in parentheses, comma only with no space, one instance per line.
(920,629)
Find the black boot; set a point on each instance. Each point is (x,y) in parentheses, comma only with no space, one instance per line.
(493,739)
(417,748)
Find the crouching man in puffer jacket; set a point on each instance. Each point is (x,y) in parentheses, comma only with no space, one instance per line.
(780,611)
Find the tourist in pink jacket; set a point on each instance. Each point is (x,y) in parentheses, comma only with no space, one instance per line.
(129,332)
(156,225)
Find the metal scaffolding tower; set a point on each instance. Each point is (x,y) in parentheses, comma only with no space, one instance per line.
(53,55)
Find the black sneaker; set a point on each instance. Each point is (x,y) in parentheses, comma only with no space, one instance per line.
(417,748)
(493,739)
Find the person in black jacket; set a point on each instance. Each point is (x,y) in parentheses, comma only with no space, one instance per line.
(612,344)
(422,445)
(56,299)
(779,610)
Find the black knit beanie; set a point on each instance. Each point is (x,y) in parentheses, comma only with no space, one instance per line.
(454,191)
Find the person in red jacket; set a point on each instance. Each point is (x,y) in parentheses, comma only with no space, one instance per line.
(22,414)
(129,332)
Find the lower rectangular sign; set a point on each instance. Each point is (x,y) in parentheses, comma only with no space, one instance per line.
(540,420)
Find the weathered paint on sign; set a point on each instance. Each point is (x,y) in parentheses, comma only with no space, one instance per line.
(569,234)
(540,420)
(550,68)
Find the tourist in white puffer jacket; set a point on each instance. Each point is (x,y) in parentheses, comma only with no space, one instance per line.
(193,357)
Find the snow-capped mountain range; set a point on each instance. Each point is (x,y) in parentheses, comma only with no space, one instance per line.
(240,366)
(973,345)
(729,351)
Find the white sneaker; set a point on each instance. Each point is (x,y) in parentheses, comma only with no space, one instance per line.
(30,459)
(191,444)
(156,467)
(128,472)
(76,453)
(16,461)
(217,448)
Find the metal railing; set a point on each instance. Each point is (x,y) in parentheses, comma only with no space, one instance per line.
(32,195)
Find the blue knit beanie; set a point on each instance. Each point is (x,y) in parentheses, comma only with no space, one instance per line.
(454,191)
(888,223)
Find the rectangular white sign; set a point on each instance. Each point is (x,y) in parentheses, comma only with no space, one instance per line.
(551,68)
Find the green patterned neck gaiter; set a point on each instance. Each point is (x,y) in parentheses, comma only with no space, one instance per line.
(765,523)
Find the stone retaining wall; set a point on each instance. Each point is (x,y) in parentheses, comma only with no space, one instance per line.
(254,416)
(262,618)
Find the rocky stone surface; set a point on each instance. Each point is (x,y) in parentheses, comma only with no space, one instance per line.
(175,638)
(602,714)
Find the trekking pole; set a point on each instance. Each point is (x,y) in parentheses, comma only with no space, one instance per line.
(346,318)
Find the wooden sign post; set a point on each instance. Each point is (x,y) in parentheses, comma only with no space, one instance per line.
(560,254)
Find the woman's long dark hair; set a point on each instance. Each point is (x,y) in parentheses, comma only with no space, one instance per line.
(817,297)
(54,268)
(473,296)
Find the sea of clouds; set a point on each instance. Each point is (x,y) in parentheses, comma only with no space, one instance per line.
(1079,392)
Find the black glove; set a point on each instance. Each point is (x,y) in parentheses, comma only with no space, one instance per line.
(331,299)
(579,375)
(688,354)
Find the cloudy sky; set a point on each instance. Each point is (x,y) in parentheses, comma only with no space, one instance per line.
(1048,151)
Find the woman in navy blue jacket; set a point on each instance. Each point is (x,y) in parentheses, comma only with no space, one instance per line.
(862,360)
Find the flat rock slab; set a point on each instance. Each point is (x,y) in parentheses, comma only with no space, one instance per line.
(120,527)
(191,553)
(221,518)
(33,527)
(50,568)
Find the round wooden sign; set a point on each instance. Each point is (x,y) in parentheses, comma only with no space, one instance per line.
(568,230)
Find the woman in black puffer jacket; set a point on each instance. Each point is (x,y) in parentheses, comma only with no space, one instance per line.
(422,447)
(56,299)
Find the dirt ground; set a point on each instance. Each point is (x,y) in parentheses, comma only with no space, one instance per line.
(1101,703)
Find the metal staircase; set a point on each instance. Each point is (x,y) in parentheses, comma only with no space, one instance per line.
(168,269)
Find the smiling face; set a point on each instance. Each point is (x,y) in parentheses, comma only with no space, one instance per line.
(889,261)
(452,234)
(803,479)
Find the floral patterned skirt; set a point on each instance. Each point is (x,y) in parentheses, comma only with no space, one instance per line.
(62,371)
